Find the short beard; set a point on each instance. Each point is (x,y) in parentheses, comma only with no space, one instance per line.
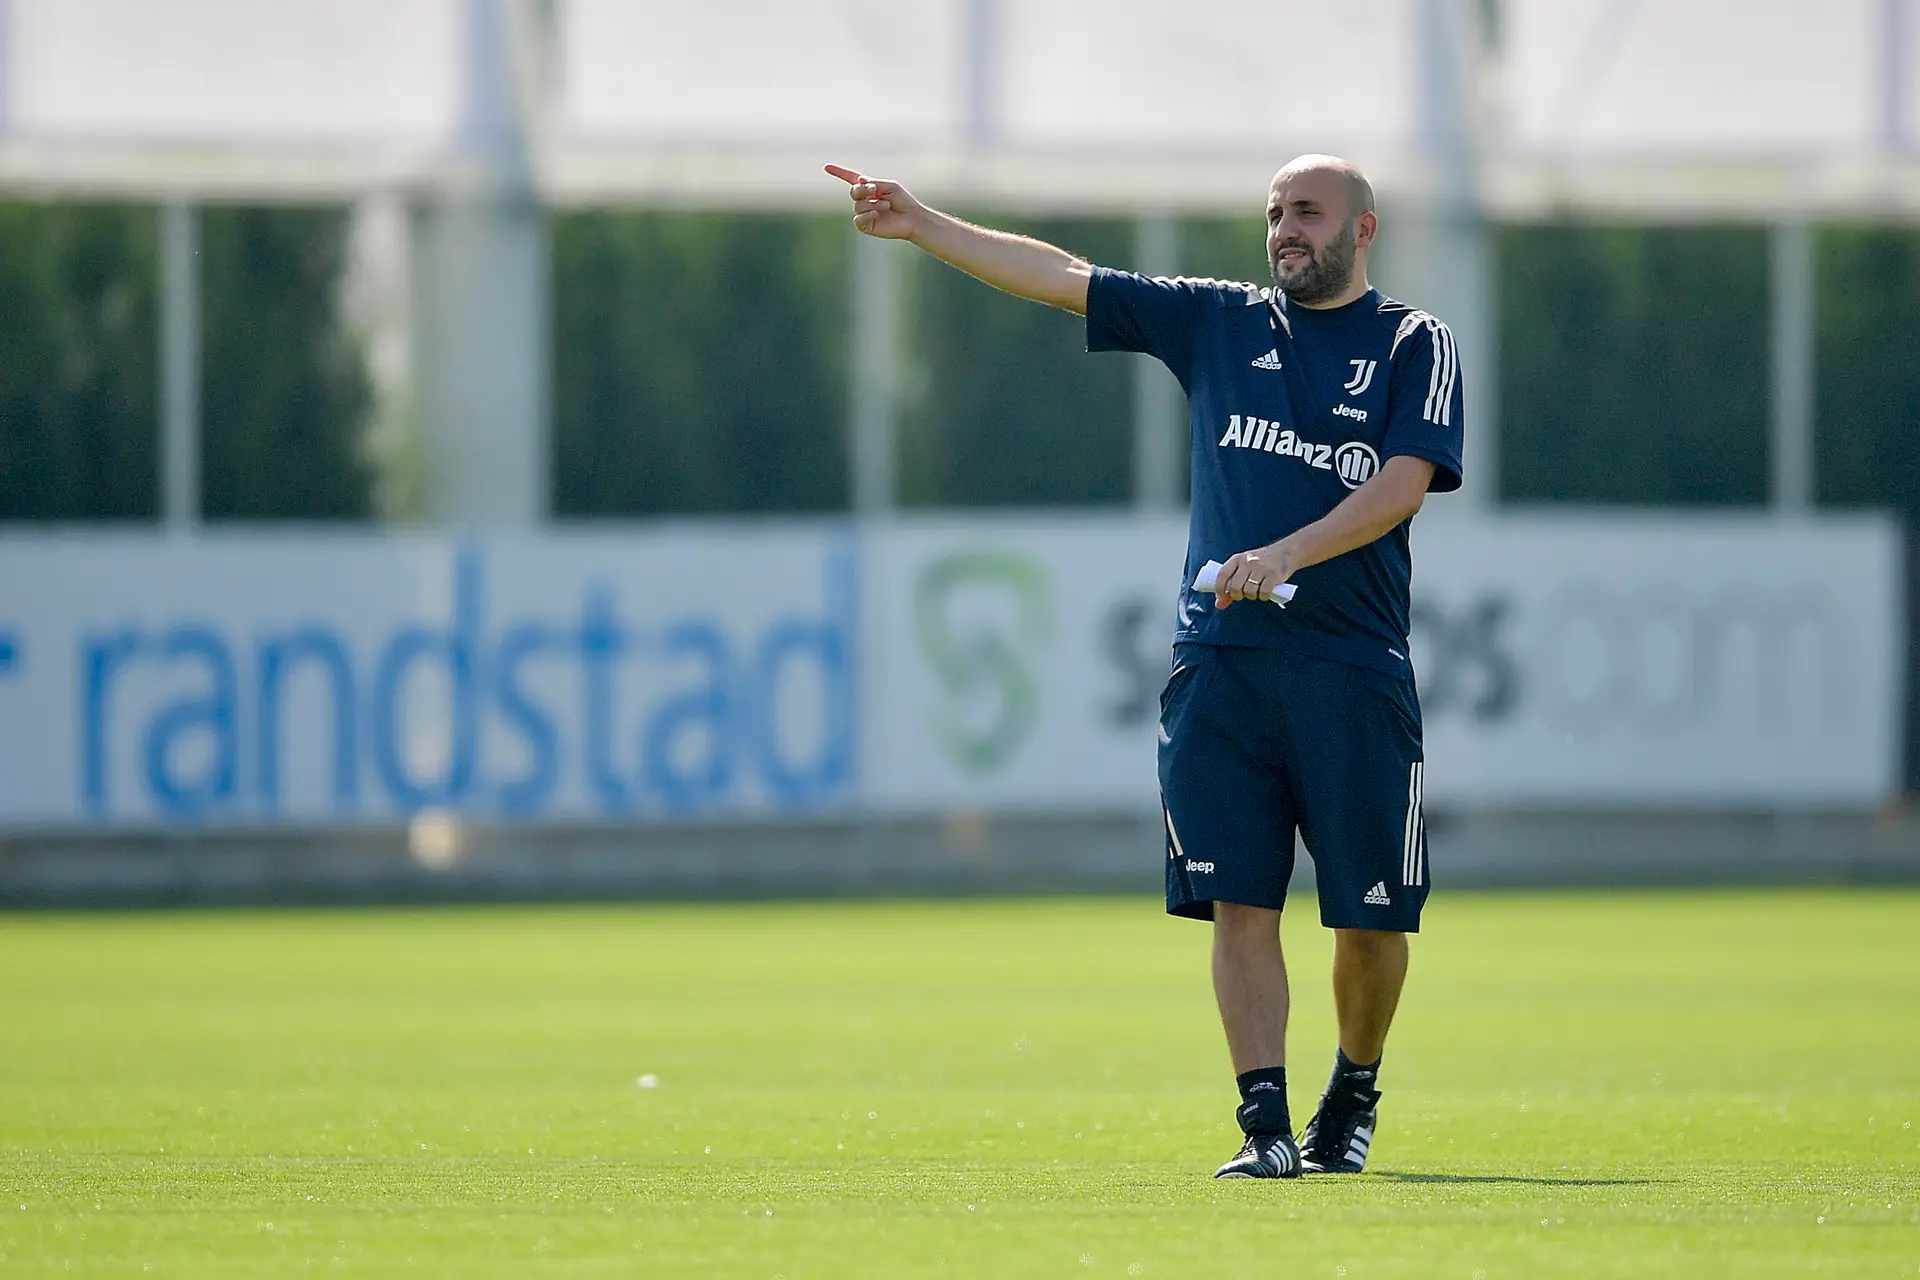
(1324,278)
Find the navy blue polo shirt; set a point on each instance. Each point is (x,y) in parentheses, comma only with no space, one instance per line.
(1290,409)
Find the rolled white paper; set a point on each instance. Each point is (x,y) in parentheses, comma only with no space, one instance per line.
(1209,577)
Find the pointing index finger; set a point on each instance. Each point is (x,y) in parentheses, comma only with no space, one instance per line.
(846,175)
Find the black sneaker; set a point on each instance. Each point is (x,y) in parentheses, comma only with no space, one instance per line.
(1264,1155)
(1341,1130)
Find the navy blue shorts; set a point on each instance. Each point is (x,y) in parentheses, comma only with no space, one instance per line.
(1256,744)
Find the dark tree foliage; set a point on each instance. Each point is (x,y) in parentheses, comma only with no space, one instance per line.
(284,391)
(1226,248)
(1004,406)
(79,417)
(700,363)
(1867,370)
(1867,379)
(1633,364)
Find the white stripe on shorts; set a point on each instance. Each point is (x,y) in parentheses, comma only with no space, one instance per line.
(1414,830)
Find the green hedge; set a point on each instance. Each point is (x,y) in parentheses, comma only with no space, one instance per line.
(1867,368)
(284,392)
(700,363)
(1003,406)
(78,362)
(1633,364)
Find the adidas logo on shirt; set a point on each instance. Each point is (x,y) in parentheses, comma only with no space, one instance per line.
(1377,896)
(1271,360)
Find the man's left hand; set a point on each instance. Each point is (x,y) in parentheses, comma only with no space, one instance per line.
(1253,575)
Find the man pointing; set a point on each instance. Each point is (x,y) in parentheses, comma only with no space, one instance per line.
(1321,413)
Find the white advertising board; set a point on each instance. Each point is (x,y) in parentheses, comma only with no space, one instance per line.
(1563,660)
(259,681)
(1671,661)
(1018,663)
(995,663)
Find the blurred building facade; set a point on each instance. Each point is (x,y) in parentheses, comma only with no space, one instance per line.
(516,268)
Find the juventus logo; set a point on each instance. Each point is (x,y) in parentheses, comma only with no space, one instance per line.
(1362,376)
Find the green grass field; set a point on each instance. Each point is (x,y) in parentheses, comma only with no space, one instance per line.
(1580,1085)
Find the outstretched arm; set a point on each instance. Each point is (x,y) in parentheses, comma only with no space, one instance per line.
(1023,267)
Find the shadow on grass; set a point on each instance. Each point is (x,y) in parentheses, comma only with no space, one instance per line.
(1467,1178)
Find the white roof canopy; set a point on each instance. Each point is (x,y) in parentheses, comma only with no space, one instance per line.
(1674,107)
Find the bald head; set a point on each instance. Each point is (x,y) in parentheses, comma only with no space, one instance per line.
(1320,225)
(1358,191)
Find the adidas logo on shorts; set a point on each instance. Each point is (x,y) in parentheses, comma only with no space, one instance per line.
(1377,896)
(1271,360)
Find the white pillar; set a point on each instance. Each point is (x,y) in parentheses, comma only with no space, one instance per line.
(1159,438)
(482,382)
(874,421)
(482,289)
(179,366)
(6,67)
(1791,321)
(1894,71)
(377,299)
(980,72)
(1436,251)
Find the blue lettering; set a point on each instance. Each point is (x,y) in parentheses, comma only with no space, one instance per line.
(603,642)
(277,656)
(772,711)
(455,647)
(99,656)
(829,642)
(211,713)
(528,794)
(707,706)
